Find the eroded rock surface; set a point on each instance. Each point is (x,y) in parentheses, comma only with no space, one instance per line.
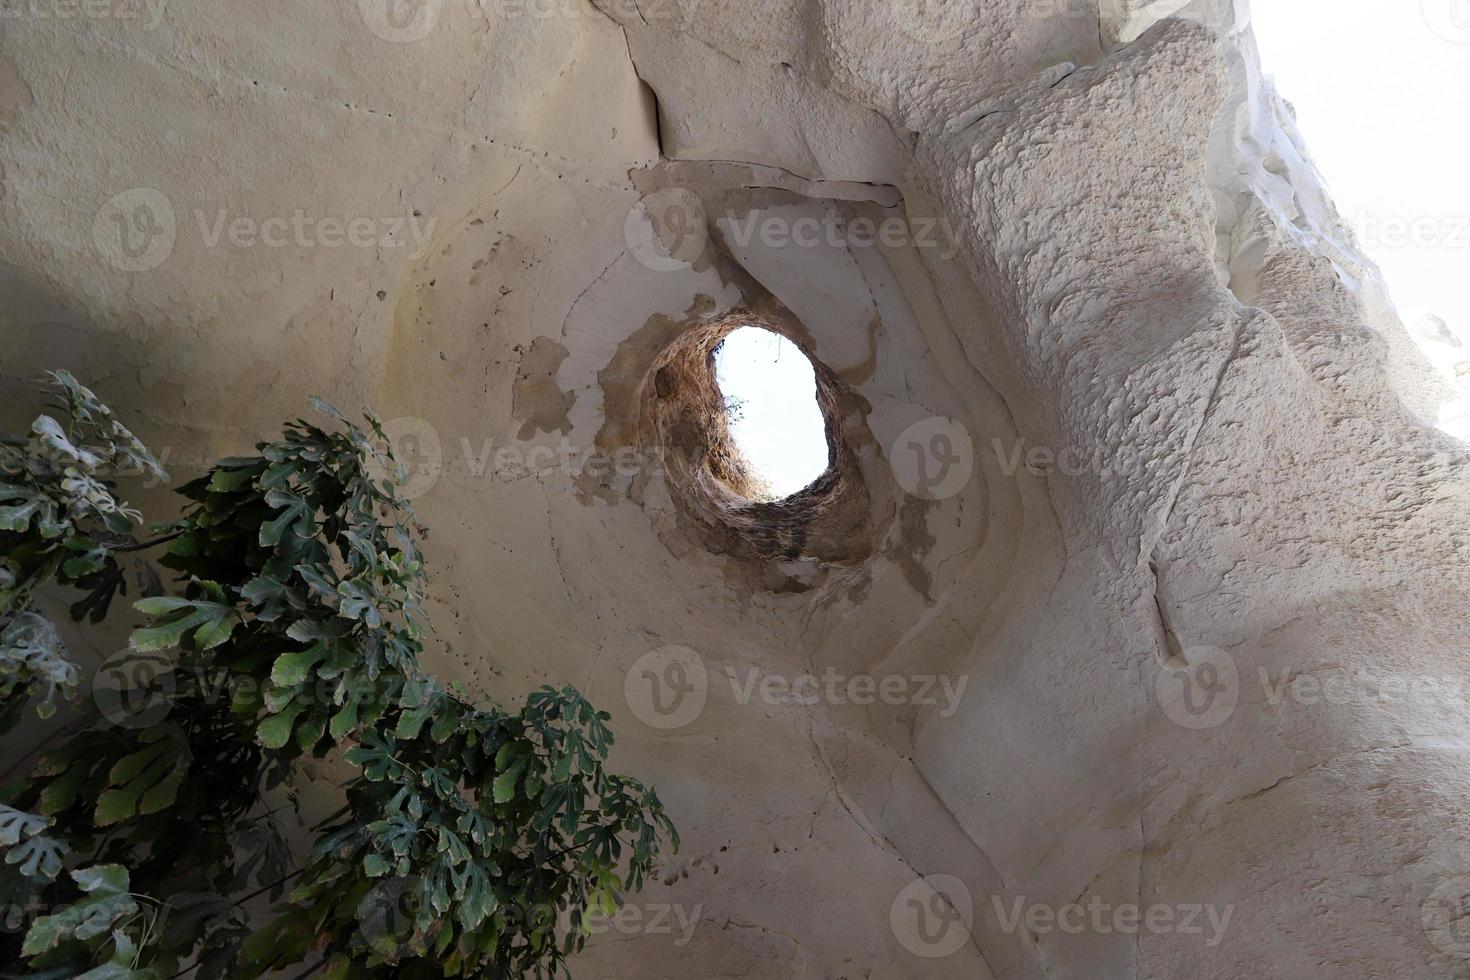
(1111,280)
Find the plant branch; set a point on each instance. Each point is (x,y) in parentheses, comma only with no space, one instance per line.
(143,545)
(261,891)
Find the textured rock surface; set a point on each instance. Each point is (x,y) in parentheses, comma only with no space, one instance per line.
(1112,248)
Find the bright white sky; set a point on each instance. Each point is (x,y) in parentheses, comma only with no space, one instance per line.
(780,431)
(1382,96)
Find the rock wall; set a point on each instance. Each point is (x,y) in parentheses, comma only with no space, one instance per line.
(1133,515)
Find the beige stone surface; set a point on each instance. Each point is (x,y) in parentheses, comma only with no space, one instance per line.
(1109,246)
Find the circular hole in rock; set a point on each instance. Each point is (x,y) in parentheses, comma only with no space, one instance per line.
(770,400)
(709,480)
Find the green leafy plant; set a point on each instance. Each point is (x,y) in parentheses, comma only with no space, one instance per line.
(60,522)
(472,840)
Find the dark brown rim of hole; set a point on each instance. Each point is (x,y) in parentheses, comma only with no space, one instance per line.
(710,482)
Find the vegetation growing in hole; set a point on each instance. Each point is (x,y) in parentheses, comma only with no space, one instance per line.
(758,488)
(734,408)
(751,484)
(473,840)
(773,423)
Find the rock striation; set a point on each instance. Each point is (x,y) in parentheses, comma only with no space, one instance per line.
(1126,635)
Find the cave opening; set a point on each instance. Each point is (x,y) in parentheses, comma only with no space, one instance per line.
(769,391)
